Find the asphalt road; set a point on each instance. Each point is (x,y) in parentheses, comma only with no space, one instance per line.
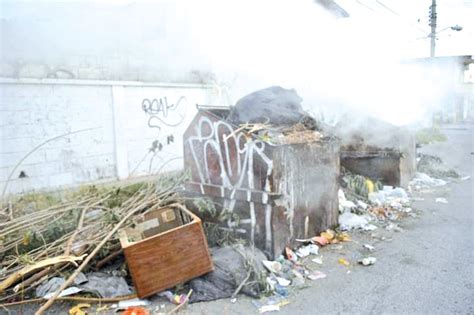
(425,269)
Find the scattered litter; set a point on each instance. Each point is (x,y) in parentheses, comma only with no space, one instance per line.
(434,166)
(272,266)
(232,265)
(368,261)
(51,286)
(317,260)
(302,252)
(173,298)
(105,285)
(270,304)
(389,194)
(297,274)
(269,308)
(136,311)
(78,309)
(80,279)
(369,227)
(305,251)
(349,221)
(65,292)
(283,282)
(290,255)
(441,200)
(369,247)
(329,235)
(271,283)
(343,237)
(281,290)
(362,204)
(320,240)
(313,249)
(132,303)
(344,204)
(422,180)
(315,275)
(344,262)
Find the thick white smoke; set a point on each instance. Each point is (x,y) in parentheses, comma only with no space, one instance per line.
(336,65)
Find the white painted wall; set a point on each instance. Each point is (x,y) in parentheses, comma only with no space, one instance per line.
(116,140)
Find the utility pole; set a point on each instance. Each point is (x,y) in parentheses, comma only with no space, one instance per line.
(433,27)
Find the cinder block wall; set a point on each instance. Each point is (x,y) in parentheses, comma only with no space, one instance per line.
(97,130)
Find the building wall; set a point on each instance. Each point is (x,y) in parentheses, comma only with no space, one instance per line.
(90,131)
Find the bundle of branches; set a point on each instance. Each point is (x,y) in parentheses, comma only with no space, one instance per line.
(38,245)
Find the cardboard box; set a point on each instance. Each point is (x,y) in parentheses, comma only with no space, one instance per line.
(158,261)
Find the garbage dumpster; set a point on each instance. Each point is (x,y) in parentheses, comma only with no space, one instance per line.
(271,187)
(378,150)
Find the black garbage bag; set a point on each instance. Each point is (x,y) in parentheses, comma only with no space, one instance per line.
(232,265)
(274,105)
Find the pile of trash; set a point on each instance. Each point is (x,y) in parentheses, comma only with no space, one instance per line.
(422,181)
(275,115)
(237,269)
(363,202)
(434,167)
(72,243)
(358,187)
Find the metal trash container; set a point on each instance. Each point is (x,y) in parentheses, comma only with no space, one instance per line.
(378,150)
(274,193)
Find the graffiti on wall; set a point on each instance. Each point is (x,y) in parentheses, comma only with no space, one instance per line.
(162,113)
(230,159)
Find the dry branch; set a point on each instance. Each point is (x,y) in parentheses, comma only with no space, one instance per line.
(40,265)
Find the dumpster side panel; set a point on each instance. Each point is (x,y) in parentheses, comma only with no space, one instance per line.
(234,170)
(408,160)
(308,175)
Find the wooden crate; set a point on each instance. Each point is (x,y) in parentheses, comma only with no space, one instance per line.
(168,258)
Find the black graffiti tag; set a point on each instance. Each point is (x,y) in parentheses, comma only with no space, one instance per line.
(161,113)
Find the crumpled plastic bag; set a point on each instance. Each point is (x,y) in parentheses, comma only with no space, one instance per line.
(105,285)
(349,221)
(230,269)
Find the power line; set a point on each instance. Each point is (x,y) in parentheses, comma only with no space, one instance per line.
(387,8)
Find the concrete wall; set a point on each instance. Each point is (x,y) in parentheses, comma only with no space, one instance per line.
(94,130)
(93,40)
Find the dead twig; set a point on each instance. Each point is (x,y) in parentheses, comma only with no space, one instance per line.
(76,299)
(29,269)
(241,285)
(177,308)
(108,258)
(31,279)
(87,260)
(79,225)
